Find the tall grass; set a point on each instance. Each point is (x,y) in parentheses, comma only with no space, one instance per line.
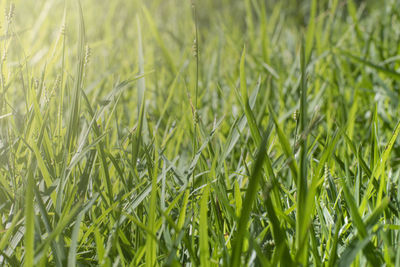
(199,133)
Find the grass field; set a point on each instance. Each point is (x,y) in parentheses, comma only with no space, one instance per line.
(203,133)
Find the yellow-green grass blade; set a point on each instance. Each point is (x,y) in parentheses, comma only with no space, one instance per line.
(203,228)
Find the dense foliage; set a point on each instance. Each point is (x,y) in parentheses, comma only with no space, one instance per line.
(203,133)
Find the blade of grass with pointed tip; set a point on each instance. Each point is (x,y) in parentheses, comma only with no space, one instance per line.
(251,194)
(182,214)
(251,120)
(377,171)
(74,111)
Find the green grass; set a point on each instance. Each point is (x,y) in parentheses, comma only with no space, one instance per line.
(199,133)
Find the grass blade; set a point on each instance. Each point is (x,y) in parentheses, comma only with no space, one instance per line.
(203,231)
(251,194)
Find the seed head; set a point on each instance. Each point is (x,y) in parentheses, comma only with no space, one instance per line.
(295,115)
(270,243)
(326,175)
(196,116)
(4,58)
(57,83)
(10,13)
(195,48)
(326,171)
(47,94)
(36,83)
(63,29)
(87,54)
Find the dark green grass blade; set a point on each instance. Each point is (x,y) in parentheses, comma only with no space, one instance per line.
(251,194)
